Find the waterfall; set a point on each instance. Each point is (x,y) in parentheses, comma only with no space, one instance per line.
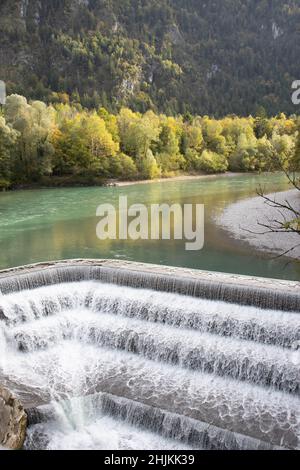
(237,292)
(246,361)
(119,362)
(169,425)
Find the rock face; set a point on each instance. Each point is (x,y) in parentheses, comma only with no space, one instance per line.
(13,421)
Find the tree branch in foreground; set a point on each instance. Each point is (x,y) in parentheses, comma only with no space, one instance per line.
(287,219)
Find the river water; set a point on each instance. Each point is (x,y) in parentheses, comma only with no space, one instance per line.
(41,225)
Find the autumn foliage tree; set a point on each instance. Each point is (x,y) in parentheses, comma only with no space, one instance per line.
(64,140)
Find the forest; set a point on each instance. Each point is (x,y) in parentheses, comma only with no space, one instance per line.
(60,143)
(207,57)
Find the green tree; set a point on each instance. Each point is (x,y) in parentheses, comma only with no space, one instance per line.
(8,138)
(283,151)
(245,156)
(212,162)
(84,145)
(167,149)
(35,124)
(122,166)
(148,166)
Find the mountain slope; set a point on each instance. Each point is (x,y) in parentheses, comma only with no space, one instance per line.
(200,56)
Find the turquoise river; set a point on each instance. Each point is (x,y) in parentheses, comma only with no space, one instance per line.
(51,224)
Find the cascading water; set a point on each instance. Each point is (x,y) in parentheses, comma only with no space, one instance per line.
(108,366)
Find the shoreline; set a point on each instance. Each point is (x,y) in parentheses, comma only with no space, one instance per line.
(183,178)
(241,221)
(109,183)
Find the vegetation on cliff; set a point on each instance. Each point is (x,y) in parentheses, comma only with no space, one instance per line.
(203,57)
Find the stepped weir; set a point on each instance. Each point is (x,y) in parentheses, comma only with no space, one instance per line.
(119,355)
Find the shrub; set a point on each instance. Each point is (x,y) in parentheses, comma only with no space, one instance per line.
(212,162)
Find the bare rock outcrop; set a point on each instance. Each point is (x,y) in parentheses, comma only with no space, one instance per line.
(13,421)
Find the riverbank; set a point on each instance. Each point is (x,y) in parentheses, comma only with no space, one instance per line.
(54,182)
(241,220)
(84,182)
(178,178)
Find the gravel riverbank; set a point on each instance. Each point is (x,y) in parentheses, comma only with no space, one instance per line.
(245,216)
